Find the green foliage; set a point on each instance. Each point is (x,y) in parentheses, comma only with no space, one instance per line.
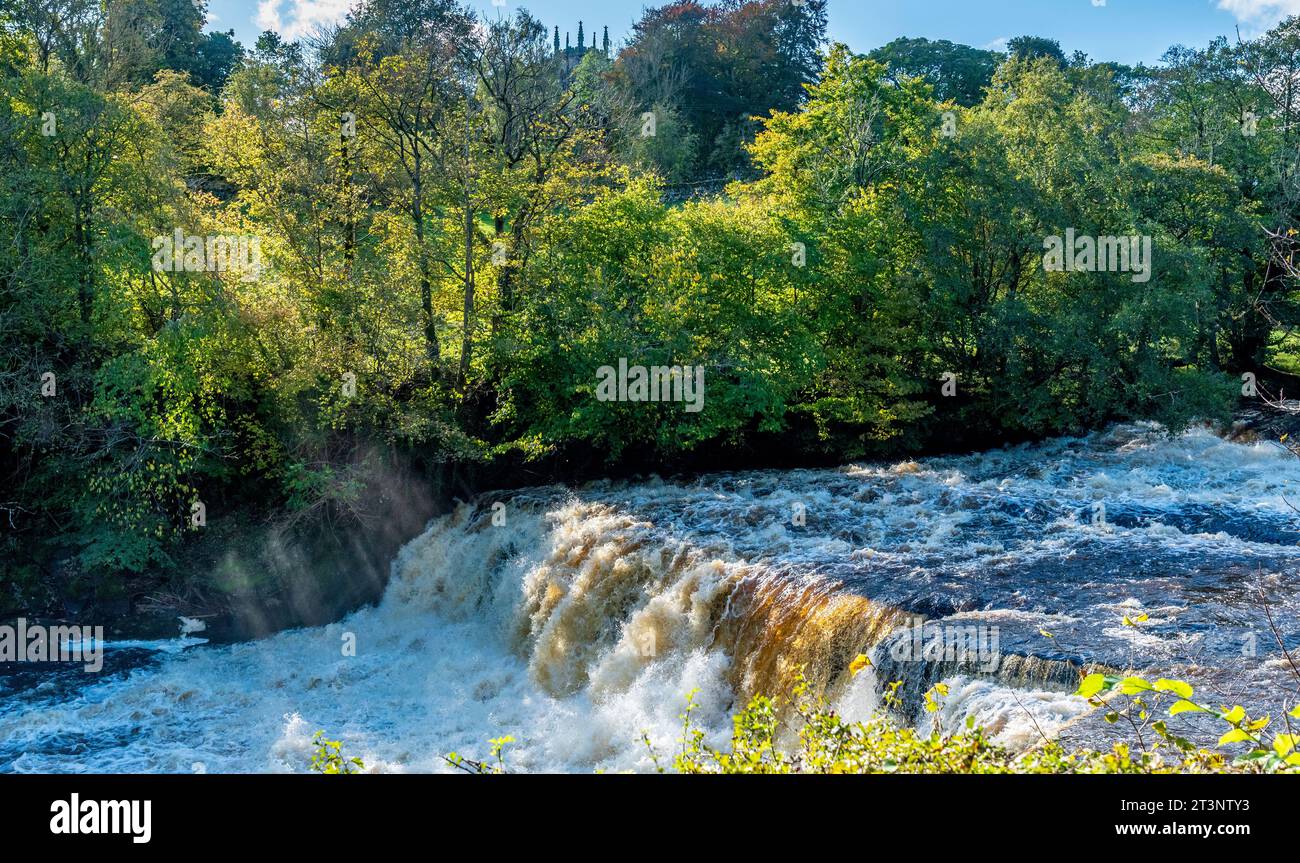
(958,73)
(495,767)
(706,69)
(1033,47)
(810,738)
(705,284)
(329,758)
(1139,698)
(667,148)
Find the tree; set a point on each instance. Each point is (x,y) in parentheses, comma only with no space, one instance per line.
(717,67)
(407,85)
(958,73)
(1033,47)
(215,59)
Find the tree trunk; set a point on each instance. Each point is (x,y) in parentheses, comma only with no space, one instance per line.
(467,322)
(426,282)
(85,274)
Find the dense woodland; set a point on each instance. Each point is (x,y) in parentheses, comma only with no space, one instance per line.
(461,220)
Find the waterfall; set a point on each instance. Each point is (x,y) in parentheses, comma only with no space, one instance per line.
(577,620)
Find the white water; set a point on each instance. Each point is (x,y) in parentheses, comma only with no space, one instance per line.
(586,619)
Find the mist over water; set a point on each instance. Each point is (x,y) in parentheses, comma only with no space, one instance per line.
(586,618)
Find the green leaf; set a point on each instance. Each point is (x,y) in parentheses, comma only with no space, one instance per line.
(1134,685)
(1184,706)
(1091,685)
(1178,687)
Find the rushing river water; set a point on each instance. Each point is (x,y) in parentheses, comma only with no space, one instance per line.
(579,618)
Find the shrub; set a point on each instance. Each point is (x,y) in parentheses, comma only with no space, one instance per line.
(826,743)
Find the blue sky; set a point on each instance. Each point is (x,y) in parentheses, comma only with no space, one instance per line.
(1124,30)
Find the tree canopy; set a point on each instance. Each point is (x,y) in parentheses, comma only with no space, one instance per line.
(425,234)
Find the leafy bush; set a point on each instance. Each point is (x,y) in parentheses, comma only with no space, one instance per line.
(829,744)
(329,757)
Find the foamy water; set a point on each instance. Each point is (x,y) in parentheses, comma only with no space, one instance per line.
(584,620)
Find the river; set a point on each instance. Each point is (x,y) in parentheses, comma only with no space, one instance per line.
(577,619)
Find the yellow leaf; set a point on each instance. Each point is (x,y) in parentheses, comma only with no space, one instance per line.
(1235,715)
(1133,685)
(1091,685)
(859,664)
(1178,687)
(1236,735)
(1283,744)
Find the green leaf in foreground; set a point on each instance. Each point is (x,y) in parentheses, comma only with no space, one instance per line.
(1178,687)
(1091,685)
(1134,685)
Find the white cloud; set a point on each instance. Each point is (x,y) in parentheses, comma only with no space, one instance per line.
(268,15)
(1259,15)
(998,44)
(300,17)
